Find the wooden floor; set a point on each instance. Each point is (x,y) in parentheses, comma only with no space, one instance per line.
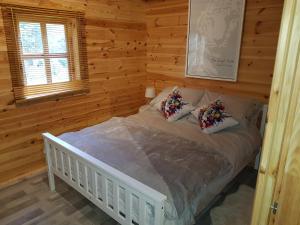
(31,202)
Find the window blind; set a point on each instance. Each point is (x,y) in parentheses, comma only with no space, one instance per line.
(46,50)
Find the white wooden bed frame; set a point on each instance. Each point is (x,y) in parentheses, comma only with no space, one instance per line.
(125,199)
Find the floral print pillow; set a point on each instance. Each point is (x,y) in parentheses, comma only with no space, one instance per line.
(174,107)
(214,118)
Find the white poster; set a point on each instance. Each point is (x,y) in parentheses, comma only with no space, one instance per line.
(214,40)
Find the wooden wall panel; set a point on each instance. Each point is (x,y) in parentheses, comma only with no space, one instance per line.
(167,32)
(130,43)
(116,44)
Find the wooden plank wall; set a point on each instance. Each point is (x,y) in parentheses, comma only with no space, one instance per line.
(167,31)
(128,41)
(116,42)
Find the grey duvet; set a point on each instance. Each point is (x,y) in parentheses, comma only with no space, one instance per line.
(188,171)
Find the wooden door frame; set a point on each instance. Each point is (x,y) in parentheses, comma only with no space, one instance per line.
(273,157)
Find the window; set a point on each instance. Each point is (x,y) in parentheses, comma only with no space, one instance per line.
(46,50)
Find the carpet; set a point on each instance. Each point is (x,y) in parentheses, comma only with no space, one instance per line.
(236,208)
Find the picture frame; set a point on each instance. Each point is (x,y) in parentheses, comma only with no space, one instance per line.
(214,38)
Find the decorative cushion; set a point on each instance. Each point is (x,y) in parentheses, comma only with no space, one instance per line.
(214,118)
(174,107)
(244,110)
(192,96)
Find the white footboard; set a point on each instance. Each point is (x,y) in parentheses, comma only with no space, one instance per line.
(123,198)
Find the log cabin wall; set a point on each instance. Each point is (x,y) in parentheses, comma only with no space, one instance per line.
(167,32)
(116,45)
(130,43)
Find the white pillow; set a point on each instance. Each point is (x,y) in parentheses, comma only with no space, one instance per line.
(193,96)
(160,97)
(174,106)
(213,117)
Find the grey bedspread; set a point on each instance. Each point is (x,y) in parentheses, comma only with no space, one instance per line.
(179,167)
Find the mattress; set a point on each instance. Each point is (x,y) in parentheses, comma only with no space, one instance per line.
(176,159)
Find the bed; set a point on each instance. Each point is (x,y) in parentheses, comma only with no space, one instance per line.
(142,170)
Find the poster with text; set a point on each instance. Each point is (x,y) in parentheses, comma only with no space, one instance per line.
(214,38)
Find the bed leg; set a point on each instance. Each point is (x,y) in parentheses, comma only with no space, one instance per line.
(49,162)
(51,181)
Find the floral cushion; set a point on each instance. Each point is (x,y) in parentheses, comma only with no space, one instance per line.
(244,110)
(174,107)
(214,118)
(192,96)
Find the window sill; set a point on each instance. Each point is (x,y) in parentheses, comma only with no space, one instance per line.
(50,97)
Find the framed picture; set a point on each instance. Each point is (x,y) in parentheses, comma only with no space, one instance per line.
(214,39)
